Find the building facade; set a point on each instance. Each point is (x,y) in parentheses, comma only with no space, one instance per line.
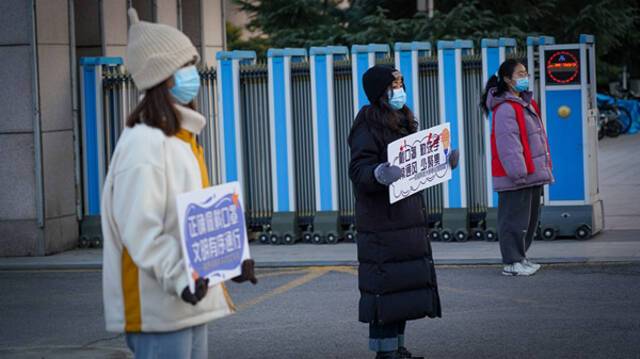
(41,42)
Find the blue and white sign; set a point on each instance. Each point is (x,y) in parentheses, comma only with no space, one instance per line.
(213,232)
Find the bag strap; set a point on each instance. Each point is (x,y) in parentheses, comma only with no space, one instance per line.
(536,108)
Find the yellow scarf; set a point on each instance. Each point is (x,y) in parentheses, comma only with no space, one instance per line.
(190,138)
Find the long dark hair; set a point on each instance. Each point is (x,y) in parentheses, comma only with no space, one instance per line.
(506,69)
(156,109)
(382,115)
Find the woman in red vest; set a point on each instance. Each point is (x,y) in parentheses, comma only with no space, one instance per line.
(520,163)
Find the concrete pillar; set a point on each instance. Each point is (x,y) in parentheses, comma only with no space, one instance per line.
(191,22)
(87,30)
(146,9)
(54,77)
(19,232)
(202,21)
(114,27)
(38,198)
(167,12)
(213,30)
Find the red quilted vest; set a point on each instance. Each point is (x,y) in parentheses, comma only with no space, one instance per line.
(497,170)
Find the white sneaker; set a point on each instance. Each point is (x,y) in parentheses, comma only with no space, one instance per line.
(517,269)
(536,267)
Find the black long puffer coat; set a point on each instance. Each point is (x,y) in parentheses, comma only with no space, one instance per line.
(396,275)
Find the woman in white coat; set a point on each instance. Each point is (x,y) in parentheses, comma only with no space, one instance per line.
(145,283)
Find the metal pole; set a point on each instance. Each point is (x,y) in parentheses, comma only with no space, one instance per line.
(224,25)
(179,13)
(37,135)
(74,109)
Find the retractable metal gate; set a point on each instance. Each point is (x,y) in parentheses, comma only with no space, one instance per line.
(109,96)
(120,98)
(428,117)
(474,144)
(343,94)
(303,145)
(254,114)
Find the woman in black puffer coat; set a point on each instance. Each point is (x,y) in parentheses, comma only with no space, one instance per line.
(396,275)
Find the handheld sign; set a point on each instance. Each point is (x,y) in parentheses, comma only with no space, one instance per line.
(423,158)
(213,232)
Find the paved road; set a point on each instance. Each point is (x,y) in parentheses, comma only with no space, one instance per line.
(568,311)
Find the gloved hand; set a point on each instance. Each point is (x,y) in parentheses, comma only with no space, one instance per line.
(386,174)
(248,273)
(454,156)
(202,286)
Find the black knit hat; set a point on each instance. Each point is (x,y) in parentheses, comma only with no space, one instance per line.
(376,80)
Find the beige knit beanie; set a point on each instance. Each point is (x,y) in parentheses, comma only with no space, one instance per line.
(156,51)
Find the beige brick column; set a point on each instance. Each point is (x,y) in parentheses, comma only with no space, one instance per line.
(167,12)
(213,30)
(38,200)
(202,21)
(114,27)
(61,227)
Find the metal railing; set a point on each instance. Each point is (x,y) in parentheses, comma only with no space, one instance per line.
(474,138)
(429,116)
(303,143)
(343,100)
(254,114)
(120,98)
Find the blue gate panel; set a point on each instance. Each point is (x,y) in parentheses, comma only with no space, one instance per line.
(451,105)
(565,142)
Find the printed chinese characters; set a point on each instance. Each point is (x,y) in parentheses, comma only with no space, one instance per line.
(204,225)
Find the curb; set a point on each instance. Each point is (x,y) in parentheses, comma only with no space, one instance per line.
(43,266)
(50,266)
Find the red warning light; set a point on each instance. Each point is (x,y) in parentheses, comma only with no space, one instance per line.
(563,67)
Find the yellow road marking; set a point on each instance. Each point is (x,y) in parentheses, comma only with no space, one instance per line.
(281,273)
(348,270)
(313,274)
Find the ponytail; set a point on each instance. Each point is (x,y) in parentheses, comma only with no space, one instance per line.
(497,81)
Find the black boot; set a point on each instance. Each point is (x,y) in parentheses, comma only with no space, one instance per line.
(404,353)
(387,355)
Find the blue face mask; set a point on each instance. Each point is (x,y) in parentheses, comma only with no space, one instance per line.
(522,84)
(398,99)
(187,84)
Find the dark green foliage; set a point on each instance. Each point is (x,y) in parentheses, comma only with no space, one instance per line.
(305,23)
(234,41)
